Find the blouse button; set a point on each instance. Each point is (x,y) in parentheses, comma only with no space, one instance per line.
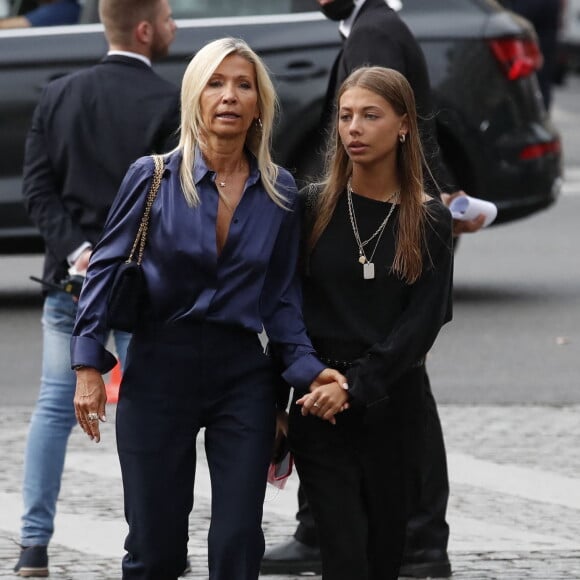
(236,220)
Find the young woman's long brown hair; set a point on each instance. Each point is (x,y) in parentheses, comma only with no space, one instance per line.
(395,89)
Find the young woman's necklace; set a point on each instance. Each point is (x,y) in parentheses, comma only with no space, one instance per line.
(367,263)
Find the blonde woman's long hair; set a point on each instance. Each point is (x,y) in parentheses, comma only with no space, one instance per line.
(410,239)
(259,138)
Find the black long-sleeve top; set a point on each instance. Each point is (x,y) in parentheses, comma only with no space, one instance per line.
(384,325)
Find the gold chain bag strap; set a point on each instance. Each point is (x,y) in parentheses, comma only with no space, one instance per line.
(141,237)
(128,291)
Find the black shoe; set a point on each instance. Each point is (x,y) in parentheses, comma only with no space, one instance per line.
(426,564)
(291,557)
(33,562)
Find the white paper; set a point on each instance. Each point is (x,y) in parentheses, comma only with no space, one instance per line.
(465,208)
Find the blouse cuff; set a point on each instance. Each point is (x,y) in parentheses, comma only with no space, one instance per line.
(303,371)
(91,353)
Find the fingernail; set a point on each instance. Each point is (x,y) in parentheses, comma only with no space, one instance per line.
(344,386)
(104,418)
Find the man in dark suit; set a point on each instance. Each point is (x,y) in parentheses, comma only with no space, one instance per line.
(374,34)
(87,129)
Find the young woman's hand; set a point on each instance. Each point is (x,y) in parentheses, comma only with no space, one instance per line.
(325,401)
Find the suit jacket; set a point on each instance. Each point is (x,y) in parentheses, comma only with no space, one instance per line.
(380,38)
(86,130)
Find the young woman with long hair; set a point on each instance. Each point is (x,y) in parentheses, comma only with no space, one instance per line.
(376,285)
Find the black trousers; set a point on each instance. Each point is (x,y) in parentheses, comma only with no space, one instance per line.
(178,380)
(357,477)
(427,528)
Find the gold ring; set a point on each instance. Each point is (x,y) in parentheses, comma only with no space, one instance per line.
(316,404)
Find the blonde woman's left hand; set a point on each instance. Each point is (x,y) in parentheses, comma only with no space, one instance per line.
(89,402)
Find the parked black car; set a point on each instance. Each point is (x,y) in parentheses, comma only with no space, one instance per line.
(494,132)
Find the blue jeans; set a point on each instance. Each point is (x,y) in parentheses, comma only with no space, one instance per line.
(52,420)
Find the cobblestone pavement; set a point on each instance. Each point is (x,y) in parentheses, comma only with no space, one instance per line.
(514,509)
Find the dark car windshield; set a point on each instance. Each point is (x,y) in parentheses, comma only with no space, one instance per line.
(443,5)
(216,8)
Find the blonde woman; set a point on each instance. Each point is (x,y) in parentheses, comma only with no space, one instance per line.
(220,265)
(377,283)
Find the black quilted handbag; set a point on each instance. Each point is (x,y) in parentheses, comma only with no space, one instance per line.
(128,289)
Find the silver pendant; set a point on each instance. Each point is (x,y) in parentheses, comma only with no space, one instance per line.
(368,271)
(362,259)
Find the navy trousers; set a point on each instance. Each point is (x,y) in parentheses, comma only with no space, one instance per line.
(178,380)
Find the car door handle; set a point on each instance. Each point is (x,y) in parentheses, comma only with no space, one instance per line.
(302,69)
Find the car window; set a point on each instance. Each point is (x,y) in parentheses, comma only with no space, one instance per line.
(447,5)
(216,8)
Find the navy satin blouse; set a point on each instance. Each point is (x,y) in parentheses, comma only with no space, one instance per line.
(253,283)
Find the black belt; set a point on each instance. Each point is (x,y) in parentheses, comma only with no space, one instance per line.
(339,365)
(344,365)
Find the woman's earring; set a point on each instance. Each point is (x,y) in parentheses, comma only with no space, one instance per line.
(259,123)
(402,137)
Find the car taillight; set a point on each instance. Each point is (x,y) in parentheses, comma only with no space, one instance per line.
(540,149)
(517,57)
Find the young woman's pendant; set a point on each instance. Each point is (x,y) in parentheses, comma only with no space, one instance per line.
(368,271)
(361,259)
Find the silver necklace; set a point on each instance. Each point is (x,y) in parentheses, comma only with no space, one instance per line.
(367,263)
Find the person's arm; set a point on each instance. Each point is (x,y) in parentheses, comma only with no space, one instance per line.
(54,14)
(14,22)
(372,377)
(89,336)
(281,304)
(328,389)
(41,190)
(281,299)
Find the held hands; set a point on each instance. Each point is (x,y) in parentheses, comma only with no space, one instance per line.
(328,396)
(463,226)
(89,401)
